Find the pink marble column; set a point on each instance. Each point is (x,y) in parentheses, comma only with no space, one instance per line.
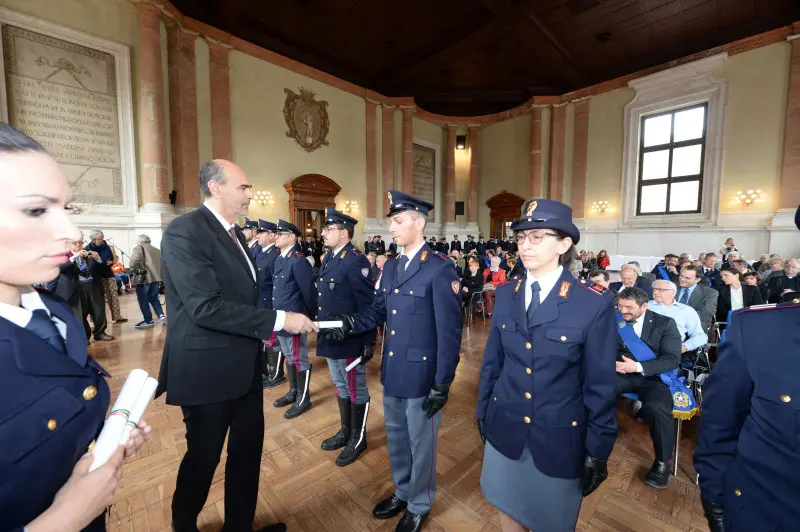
(555,189)
(152,126)
(183,116)
(387,156)
(580,149)
(371,159)
(535,170)
(450,177)
(408,132)
(789,192)
(472,191)
(220,101)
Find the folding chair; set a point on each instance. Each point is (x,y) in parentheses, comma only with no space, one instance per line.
(476,299)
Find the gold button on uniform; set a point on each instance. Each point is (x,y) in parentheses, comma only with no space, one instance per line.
(574,423)
(396,291)
(563,338)
(738,493)
(527,395)
(424,358)
(391,353)
(394,311)
(528,371)
(320,308)
(495,398)
(785,398)
(527,345)
(91,446)
(527,419)
(89,393)
(504,326)
(319,293)
(392,333)
(51,425)
(411,292)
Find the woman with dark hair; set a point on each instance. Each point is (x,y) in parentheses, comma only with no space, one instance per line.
(734,295)
(603,261)
(53,397)
(472,280)
(553,338)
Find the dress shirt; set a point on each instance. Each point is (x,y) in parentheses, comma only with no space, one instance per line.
(681,289)
(30,300)
(737,298)
(688,322)
(546,284)
(378,280)
(268,248)
(638,325)
(411,253)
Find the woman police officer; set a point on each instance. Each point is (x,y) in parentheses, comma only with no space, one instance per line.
(53,398)
(547,393)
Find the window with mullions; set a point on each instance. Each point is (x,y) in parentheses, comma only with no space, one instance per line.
(671,159)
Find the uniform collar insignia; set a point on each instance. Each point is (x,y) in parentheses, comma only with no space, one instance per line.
(424,256)
(343,254)
(563,291)
(516,288)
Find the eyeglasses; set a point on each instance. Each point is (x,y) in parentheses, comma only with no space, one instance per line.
(329,227)
(533,238)
(662,290)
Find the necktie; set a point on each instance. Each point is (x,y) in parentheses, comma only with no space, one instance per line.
(401,268)
(42,326)
(534,304)
(232,232)
(684,296)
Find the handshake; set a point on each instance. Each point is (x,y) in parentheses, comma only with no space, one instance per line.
(296,323)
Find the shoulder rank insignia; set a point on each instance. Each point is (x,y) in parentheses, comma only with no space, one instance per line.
(563,291)
(343,254)
(596,288)
(424,256)
(298,254)
(516,288)
(365,272)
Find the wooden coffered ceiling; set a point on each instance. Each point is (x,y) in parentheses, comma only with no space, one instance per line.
(472,57)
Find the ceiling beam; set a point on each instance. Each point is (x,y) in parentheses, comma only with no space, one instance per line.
(227,12)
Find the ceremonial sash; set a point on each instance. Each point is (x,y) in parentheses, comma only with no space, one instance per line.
(683,403)
(663,272)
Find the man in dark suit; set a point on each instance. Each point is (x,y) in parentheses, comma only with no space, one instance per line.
(702,299)
(211,366)
(710,272)
(660,335)
(734,294)
(784,285)
(630,277)
(669,270)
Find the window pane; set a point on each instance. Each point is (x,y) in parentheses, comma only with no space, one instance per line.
(655,164)
(654,198)
(684,196)
(686,161)
(689,124)
(657,130)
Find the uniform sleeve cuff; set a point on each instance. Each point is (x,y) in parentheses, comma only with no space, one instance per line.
(280,318)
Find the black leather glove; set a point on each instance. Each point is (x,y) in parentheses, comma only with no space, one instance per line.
(715,515)
(436,399)
(482,431)
(595,471)
(366,353)
(337,334)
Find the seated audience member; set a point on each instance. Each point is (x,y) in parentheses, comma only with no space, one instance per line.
(629,277)
(589,263)
(760,262)
(657,342)
(454,260)
(495,276)
(734,295)
(784,283)
(645,275)
(122,277)
(740,265)
(684,258)
(576,268)
(517,271)
(686,318)
(710,272)
(601,277)
(668,270)
(754,279)
(472,280)
(732,256)
(776,266)
(768,264)
(702,298)
(603,261)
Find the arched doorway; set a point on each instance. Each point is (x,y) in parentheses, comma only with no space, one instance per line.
(309,194)
(503,209)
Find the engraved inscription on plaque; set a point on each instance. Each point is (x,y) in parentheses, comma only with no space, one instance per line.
(424,172)
(64,95)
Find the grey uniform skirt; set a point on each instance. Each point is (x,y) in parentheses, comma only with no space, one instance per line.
(522,492)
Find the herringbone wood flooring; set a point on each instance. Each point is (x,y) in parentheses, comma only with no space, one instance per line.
(301,485)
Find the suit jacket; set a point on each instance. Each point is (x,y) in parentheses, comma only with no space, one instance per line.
(657,273)
(661,334)
(148,257)
(750,294)
(265,261)
(776,285)
(52,406)
(641,282)
(550,384)
(704,301)
(211,353)
(68,278)
(714,277)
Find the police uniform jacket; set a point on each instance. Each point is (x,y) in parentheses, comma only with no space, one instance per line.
(469,245)
(344,287)
(748,452)
(455,244)
(293,286)
(255,248)
(423,324)
(265,266)
(52,406)
(481,248)
(551,385)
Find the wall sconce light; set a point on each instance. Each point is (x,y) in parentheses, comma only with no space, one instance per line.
(601,207)
(350,206)
(748,197)
(461,142)
(264,198)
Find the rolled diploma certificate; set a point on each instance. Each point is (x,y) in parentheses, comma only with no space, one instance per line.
(138,409)
(114,427)
(353,364)
(328,324)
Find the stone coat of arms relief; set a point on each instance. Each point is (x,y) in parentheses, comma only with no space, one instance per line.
(306,118)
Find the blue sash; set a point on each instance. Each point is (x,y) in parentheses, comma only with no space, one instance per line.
(663,272)
(683,403)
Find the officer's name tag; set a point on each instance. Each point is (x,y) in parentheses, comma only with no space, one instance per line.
(353,364)
(328,324)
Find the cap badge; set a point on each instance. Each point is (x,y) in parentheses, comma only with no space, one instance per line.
(390,197)
(531,207)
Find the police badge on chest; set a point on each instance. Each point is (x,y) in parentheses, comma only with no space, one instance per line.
(331,286)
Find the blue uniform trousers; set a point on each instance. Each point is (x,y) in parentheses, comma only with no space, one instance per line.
(295,349)
(349,384)
(412,439)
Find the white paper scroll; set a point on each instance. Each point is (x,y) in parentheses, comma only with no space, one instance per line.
(138,409)
(111,436)
(353,364)
(328,324)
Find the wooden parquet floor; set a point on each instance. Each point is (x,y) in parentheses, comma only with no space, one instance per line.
(301,485)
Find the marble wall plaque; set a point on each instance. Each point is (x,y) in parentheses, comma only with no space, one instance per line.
(424,172)
(64,95)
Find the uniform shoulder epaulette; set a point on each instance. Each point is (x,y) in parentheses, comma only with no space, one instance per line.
(593,288)
(298,254)
(356,251)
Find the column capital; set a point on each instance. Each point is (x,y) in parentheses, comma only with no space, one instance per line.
(146,9)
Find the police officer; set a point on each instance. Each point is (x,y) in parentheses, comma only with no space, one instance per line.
(293,290)
(748,452)
(53,397)
(344,287)
(547,393)
(418,298)
(265,263)
(480,247)
(455,244)
(469,245)
(250,230)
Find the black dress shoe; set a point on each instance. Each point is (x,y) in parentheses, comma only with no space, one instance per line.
(411,522)
(277,527)
(103,337)
(658,476)
(388,508)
